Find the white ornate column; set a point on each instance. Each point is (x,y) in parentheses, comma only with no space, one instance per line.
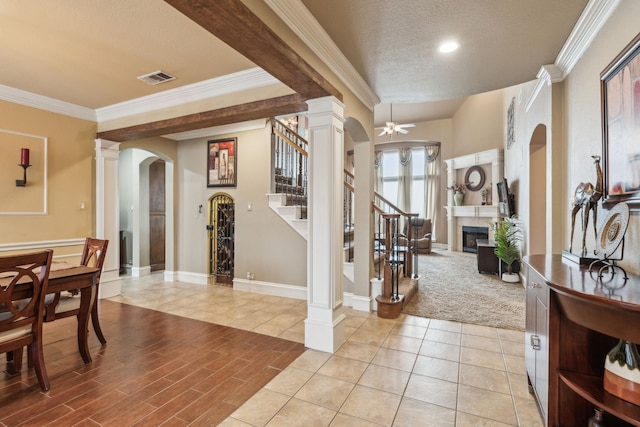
(324,326)
(108,214)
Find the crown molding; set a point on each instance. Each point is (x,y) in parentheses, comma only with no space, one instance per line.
(594,16)
(230,83)
(236,82)
(547,75)
(28,99)
(298,18)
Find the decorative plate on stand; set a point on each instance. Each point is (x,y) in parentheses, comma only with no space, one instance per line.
(612,230)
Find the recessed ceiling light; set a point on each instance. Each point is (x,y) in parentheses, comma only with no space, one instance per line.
(448,47)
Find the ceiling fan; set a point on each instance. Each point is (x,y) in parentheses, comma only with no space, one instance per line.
(394,127)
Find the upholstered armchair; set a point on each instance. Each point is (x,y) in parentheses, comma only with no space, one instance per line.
(421,228)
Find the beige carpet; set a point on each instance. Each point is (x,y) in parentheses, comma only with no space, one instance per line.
(450,288)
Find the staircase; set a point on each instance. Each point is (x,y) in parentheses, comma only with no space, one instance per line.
(289,201)
(288,197)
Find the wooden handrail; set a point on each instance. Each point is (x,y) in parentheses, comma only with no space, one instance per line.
(290,142)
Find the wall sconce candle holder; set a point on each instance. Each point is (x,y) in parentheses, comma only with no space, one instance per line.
(24,164)
(22,182)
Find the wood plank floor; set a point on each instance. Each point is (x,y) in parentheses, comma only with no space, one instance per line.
(156,369)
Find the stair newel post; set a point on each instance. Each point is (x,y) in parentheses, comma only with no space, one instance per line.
(388,249)
(390,302)
(378,237)
(412,243)
(412,265)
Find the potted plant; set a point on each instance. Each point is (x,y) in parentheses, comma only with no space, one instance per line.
(508,235)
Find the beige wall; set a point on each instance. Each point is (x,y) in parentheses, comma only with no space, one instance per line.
(583,122)
(478,125)
(265,245)
(70,177)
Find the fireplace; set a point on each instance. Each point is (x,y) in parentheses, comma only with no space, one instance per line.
(470,235)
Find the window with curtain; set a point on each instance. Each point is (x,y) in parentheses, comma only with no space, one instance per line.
(390,175)
(410,178)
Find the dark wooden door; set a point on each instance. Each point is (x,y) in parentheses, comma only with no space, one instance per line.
(156,215)
(221,238)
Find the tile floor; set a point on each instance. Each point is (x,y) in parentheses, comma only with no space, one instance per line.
(407,371)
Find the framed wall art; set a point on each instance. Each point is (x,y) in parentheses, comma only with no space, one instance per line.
(620,89)
(221,163)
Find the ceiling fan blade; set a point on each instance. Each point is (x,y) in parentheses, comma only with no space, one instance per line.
(400,130)
(384,132)
(407,125)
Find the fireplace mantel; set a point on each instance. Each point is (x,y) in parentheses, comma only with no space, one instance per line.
(481,211)
(492,162)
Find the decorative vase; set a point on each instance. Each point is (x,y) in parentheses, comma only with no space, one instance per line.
(458,198)
(622,372)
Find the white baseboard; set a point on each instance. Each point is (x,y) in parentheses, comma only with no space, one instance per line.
(362,303)
(140,271)
(109,287)
(347,299)
(376,289)
(170,276)
(189,277)
(268,288)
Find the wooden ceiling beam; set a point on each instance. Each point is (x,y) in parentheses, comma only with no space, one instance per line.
(288,104)
(236,25)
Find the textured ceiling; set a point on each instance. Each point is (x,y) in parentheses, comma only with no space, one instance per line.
(90,52)
(394,44)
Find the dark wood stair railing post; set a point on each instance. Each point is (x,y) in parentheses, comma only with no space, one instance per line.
(390,302)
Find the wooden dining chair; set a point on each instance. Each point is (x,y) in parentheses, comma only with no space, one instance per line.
(23,280)
(65,304)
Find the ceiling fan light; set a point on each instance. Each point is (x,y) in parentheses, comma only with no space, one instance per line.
(448,47)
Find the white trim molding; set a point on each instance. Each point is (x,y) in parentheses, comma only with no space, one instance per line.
(45,179)
(43,244)
(28,99)
(224,85)
(243,80)
(269,288)
(547,75)
(301,21)
(189,277)
(593,17)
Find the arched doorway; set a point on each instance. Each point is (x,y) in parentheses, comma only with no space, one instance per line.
(146,211)
(157,215)
(538,190)
(221,229)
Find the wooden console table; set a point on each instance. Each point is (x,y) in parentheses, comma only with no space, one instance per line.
(573,320)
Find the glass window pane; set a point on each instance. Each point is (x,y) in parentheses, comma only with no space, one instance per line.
(390,191)
(390,163)
(417,162)
(417,197)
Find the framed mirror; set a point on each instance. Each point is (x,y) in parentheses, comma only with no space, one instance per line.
(474,178)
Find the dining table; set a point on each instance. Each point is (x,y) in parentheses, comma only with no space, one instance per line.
(84,279)
(67,277)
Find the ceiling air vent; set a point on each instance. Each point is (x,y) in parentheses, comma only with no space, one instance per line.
(156,77)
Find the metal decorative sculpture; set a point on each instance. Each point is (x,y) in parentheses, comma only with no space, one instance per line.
(586,199)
